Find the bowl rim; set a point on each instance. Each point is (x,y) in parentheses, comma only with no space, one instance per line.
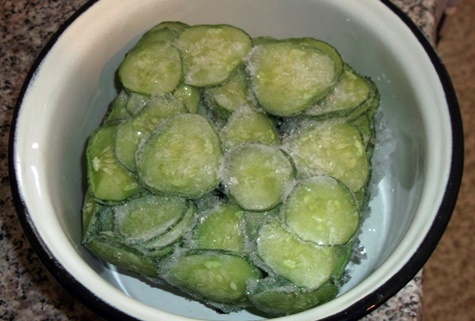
(353,312)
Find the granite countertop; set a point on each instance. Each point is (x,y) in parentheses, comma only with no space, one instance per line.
(27,290)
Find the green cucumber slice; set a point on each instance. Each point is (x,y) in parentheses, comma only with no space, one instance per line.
(370,105)
(288,76)
(164,31)
(348,94)
(121,255)
(230,95)
(173,235)
(322,210)
(256,41)
(108,179)
(189,96)
(327,49)
(175,26)
(220,229)
(247,125)
(89,208)
(136,102)
(211,275)
(182,157)
(344,258)
(366,129)
(305,264)
(332,148)
(101,223)
(281,298)
(144,218)
(257,176)
(132,131)
(211,53)
(118,109)
(152,69)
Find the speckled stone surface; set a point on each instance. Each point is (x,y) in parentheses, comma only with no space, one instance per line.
(27,290)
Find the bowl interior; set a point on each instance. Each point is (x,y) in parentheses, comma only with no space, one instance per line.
(70,92)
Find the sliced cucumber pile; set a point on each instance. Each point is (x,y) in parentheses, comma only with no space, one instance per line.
(234,168)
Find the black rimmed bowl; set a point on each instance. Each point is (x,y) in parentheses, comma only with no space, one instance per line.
(71,85)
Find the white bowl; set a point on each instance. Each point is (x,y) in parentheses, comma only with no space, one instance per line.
(72,84)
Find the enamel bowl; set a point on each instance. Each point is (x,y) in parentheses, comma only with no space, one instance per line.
(72,83)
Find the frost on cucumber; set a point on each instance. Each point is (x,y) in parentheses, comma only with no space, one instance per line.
(212,53)
(220,229)
(288,76)
(351,91)
(331,148)
(305,264)
(256,176)
(133,130)
(247,125)
(182,157)
(322,210)
(152,69)
(144,218)
(227,97)
(235,169)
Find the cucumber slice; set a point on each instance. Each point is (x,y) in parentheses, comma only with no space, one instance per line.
(118,110)
(132,131)
(101,224)
(288,76)
(344,258)
(257,176)
(146,217)
(163,241)
(230,95)
(365,127)
(332,148)
(348,94)
(327,49)
(121,255)
(247,125)
(164,31)
(108,179)
(260,40)
(211,53)
(152,69)
(281,298)
(305,264)
(370,105)
(182,157)
(322,210)
(252,222)
(136,102)
(88,211)
(175,26)
(189,96)
(220,229)
(98,219)
(211,275)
